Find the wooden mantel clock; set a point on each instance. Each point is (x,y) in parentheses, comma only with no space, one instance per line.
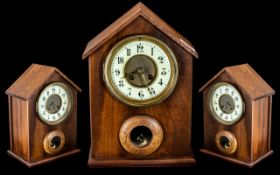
(43,115)
(140,74)
(237,116)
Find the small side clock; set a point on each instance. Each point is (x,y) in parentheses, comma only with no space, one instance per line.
(43,116)
(237,101)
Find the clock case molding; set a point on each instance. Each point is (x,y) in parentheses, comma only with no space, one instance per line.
(27,131)
(107,114)
(253,130)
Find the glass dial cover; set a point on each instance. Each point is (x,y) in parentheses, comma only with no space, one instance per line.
(54,103)
(140,70)
(225,103)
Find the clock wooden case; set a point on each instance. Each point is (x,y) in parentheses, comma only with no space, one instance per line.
(42,116)
(237,106)
(140,83)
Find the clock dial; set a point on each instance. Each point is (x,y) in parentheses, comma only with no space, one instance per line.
(226,103)
(140,70)
(54,103)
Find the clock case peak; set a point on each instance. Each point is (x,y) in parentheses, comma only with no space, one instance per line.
(26,86)
(246,78)
(138,11)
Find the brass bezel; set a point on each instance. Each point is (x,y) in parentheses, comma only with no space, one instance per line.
(69,107)
(140,103)
(210,108)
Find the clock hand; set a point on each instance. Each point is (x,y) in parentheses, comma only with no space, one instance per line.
(229,104)
(141,74)
(130,76)
(50,106)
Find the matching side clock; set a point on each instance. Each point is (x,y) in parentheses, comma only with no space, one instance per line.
(237,106)
(140,83)
(42,115)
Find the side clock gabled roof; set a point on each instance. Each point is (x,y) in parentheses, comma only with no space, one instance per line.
(33,79)
(139,10)
(247,79)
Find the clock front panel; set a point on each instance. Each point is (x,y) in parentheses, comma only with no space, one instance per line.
(223,127)
(111,103)
(65,124)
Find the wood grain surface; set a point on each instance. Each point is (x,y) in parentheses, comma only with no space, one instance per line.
(107,114)
(27,131)
(252,131)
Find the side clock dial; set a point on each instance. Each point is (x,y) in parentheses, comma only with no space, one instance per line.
(140,71)
(54,103)
(225,103)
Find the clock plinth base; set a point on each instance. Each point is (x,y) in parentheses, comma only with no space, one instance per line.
(169,162)
(33,164)
(239,162)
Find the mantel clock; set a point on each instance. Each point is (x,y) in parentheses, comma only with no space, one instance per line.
(140,74)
